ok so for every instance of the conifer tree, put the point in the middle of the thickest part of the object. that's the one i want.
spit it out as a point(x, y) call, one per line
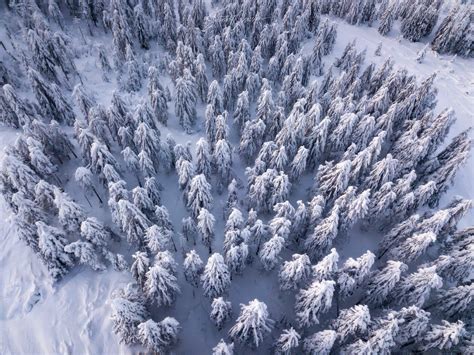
point(161, 286)
point(51, 243)
point(222, 348)
point(320, 342)
point(242, 110)
point(223, 162)
point(221, 312)
point(384, 281)
point(70, 214)
point(352, 321)
point(193, 267)
point(323, 235)
point(294, 272)
point(444, 336)
point(128, 311)
point(203, 158)
point(95, 232)
point(205, 226)
point(216, 276)
point(326, 268)
point(199, 194)
point(382, 338)
point(313, 301)
point(158, 336)
point(412, 247)
point(270, 252)
point(140, 267)
point(456, 300)
point(287, 342)
point(252, 324)
point(185, 104)
point(416, 287)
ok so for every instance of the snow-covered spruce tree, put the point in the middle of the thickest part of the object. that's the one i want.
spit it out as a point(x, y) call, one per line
point(158, 337)
point(444, 336)
point(452, 34)
point(444, 166)
point(454, 301)
point(384, 281)
point(357, 210)
point(15, 111)
point(51, 243)
point(217, 58)
point(203, 158)
point(251, 138)
point(382, 337)
point(412, 247)
point(132, 79)
point(185, 171)
point(416, 288)
point(299, 224)
point(223, 162)
point(44, 195)
point(205, 226)
point(216, 276)
point(236, 257)
point(51, 100)
point(199, 194)
point(314, 301)
point(383, 171)
point(86, 254)
point(242, 110)
point(315, 210)
point(222, 130)
point(140, 267)
point(324, 233)
point(398, 234)
point(358, 347)
point(132, 221)
point(201, 77)
point(128, 311)
point(298, 165)
point(193, 267)
point(294, 272)
point(288, 342)
point(412, 324)
point(320, 342)
point(270, 252)
point(162, 218)
point(352, 321)
point(232, 198)
point(95, 232)
point(333, 180)
point(161, 286)
point(141, 200)
point(158, 238)
point(189, 229)
point(186, 97)
point(252, 324)
point(327, 267)
point(222, 348)
point(70, 214)
point(419, 20)
point(221, 311)
point(26, 209)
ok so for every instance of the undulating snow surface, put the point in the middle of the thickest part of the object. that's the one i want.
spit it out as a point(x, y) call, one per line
point(73, 316)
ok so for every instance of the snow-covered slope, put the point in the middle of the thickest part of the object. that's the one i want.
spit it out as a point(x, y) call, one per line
point(73, 317)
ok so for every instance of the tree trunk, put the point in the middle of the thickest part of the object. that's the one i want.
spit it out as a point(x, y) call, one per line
point(85, 196)
point(95, 191)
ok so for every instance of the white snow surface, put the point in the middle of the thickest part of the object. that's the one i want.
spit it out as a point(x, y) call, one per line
point(73, 317)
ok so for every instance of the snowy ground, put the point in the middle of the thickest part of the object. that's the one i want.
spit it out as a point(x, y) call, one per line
point(74, 316)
